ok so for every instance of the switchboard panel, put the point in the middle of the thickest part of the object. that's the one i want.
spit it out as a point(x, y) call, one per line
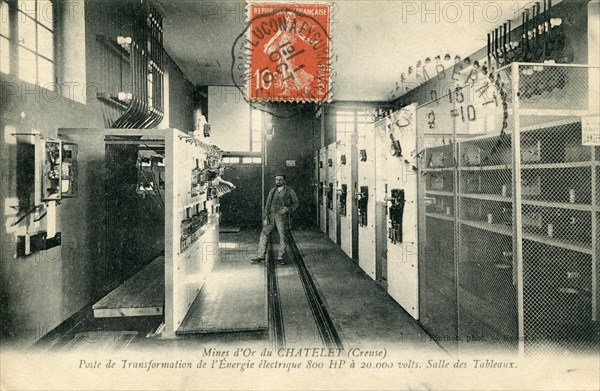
point(344, 196)
point(46, 173)
point(332, 183)
point(401, 222)
point(365, 199)
point(56, 170)
point(323, 186)
point(315, 188)
point(382, 150)
point(170, 181)
point(191, 222)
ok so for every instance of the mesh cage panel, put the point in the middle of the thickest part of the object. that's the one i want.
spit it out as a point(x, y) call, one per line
point(438, 309)
point(547, 87)
point(478, 235)
point(487, 291)
point(557, 291)
point(487, 273)
point(559, 211)
point(437, 267)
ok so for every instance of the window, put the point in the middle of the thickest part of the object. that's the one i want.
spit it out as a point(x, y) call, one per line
point(4, 37)
point(35, 20)
point(251, 160)
point(242, 160)
point(363, 118)
point(256, 128)
point(345, 121)
point(344, 124)
point(231, 160)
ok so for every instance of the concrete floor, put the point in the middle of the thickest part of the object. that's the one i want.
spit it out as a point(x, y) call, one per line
point(364, 314)
point(367, 319)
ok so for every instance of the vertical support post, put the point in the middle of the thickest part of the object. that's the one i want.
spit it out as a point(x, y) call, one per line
point(593, 10)
point(457, 240)
point(353, 188)
point(517, 223)
point(421, 220)
point(595, 250)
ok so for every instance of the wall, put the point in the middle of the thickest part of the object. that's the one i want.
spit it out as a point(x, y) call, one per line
point(40, 291)
point(291, 142)
point(229, 117)
point(181, 98)
point(242, 206)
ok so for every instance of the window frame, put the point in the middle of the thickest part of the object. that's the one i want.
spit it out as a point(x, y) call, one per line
point(344, 118)
point(7, 38)
point(17, 15)
point(256, 133)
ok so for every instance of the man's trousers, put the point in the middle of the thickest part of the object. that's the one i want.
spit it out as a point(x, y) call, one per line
point(281, 221)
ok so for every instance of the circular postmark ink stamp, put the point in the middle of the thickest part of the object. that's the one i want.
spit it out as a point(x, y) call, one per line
point(284, 55)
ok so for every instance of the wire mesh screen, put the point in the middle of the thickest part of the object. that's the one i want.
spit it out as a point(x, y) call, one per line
point(438, 283)
point(487, 270)
point(596, 183)
point(437, 267)
point(478, 235)
point(487, 265)
point(559, 211)
point(469, 273)
point(547, 87)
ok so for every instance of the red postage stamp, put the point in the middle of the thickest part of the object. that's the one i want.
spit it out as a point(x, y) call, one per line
point(290, 52)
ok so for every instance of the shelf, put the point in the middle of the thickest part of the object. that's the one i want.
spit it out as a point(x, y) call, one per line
point(486, 137)
point(140, 295)
point(440, 193)
point(486, 197)
point(508, 231)
point(439, 169)
point(553, 124)
point(557, 165)
point(561, 205)
point(486, 168)
point(524, 112)
point(496, 228)
point(567, 245)
point(440, 216)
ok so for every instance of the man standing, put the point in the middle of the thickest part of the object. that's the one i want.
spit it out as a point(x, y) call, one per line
point(280, 203)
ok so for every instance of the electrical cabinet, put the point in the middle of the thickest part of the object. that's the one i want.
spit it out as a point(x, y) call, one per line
point(331, 189)
point(56, 161)
point(323, 186)
point(401, 191)
point(315, 188)
point(379, 193)
point(364, 196)
point(344, 196)
point(47, 173)
point(160, 196)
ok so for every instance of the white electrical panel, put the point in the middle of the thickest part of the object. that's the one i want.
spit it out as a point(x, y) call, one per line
point(401, 222)
point(331, 193)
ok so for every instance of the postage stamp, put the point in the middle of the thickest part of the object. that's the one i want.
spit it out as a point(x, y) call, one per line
point(287, 53)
